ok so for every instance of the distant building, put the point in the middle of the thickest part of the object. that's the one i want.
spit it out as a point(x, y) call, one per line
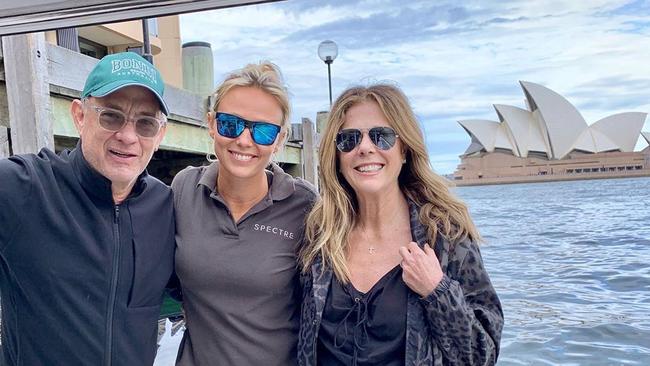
point(551, 141)
point(100, 40)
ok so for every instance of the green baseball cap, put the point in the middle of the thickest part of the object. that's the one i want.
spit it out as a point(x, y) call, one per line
point(114, 72)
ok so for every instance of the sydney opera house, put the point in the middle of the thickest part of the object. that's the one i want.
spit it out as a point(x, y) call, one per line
point(550, 140)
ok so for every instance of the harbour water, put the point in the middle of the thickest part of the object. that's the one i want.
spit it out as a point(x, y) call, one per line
point(571, 264)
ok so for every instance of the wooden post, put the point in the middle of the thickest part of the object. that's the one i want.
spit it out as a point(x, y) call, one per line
point(321, 121)
point(309, 161)
point(4, 142)
point(28, 92)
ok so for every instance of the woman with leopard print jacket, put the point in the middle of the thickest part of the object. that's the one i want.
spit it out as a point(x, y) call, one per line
point(392, 273)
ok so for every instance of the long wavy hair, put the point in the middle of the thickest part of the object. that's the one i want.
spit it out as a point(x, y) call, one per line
point(333, 217)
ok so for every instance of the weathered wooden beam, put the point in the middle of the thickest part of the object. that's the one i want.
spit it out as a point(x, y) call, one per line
point(180, 136)
point(291, 153)
point(184, 106)
point(321, 121)
point(4, 108)
point(31, 16)
point(310, 163)
point(4, 142)
point(296, 132)
point(28, 92)
point(67, 68)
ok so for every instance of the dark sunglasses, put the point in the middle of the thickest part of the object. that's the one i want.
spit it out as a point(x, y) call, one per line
point(383, 137)
point(231, 126)
point(114, 120)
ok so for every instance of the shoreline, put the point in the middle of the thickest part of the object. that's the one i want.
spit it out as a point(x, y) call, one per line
point(549, 178)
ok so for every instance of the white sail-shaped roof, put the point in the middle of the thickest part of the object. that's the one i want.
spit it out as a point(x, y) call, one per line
point(603, 142)
point(504, 139)
point(490, 134)
point(646, 136)
point(554, 127)
point(585, 142)
point(523, 127)
point(562, 121)
point(482, 130)
point(474, 146)
point(594, 141)
point(543, 144)
point(622, 128)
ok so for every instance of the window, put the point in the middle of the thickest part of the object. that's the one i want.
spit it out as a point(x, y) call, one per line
point(153, 26)
point(68, 38)
point(137, 49)
point(92, 49)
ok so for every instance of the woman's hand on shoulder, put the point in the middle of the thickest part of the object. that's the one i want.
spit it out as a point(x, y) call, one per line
point(420, 268)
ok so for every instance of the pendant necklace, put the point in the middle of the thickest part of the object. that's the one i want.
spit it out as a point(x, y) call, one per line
point(371, 247)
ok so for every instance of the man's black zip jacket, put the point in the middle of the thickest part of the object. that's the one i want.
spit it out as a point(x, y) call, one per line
point(81, 279)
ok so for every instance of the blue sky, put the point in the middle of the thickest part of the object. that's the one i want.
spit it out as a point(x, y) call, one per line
point(453, 59)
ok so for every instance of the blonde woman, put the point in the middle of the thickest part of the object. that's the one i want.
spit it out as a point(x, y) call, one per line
point(238, 226)
point(392, 271)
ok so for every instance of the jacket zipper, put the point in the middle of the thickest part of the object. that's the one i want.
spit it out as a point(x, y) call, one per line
point(111, 300)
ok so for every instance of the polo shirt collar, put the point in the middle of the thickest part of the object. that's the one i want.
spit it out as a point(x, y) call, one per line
point(281, 184)
point(209, 176)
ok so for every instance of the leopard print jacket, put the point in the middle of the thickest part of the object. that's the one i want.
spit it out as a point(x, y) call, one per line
point(460, 323)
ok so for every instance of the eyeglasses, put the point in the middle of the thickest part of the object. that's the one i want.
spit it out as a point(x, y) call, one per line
point(231, 126)
point(383, 137)
point(114, 120)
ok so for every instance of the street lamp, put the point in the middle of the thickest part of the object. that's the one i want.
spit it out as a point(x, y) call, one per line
point(146, 44)
point(327, 51)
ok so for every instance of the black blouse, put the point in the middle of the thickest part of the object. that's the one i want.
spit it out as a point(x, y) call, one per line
point(364, 328)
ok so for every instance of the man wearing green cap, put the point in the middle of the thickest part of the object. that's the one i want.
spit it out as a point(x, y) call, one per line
point(87, 236)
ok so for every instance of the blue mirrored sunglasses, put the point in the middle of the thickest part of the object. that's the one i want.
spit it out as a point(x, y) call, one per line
point(231, 126)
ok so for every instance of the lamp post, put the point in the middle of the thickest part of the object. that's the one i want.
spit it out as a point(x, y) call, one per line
point(146, 44)
point(327, 51)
